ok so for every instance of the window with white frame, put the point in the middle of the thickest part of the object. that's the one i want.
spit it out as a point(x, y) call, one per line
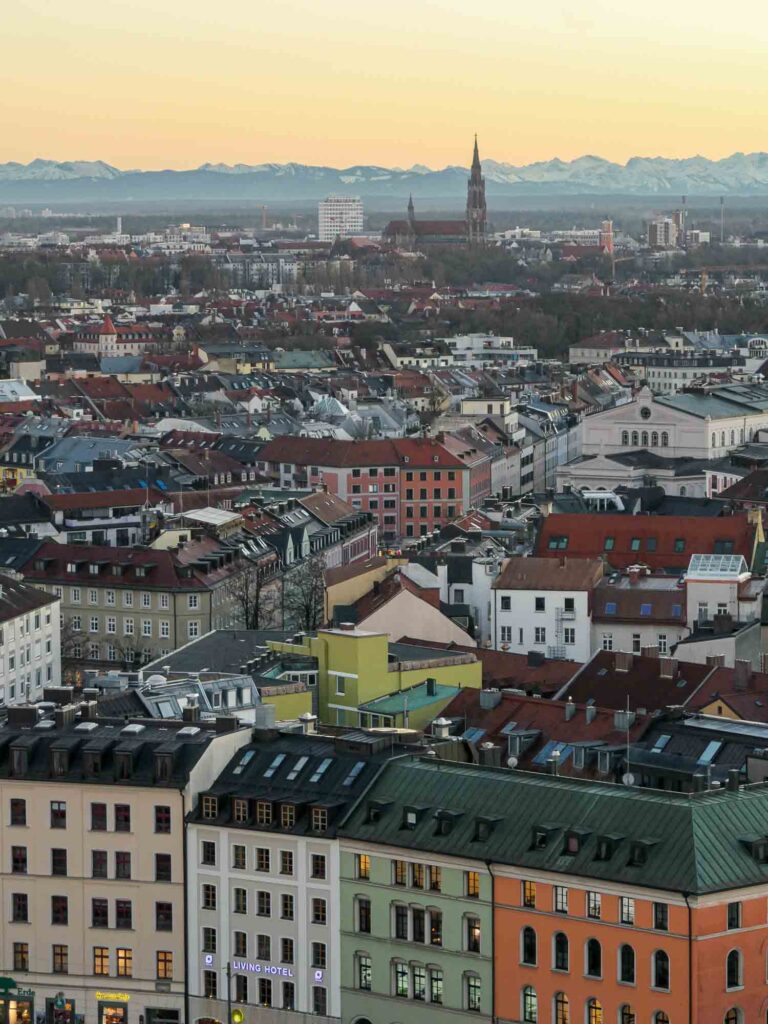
point(506, 634)
point(540, 635)
point(607, 641)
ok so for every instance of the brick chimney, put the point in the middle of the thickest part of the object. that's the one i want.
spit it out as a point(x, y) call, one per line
point(742, 674)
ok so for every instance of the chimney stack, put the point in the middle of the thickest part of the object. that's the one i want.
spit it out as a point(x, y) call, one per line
point(570, 709)
point(742, 674)
point(667, 668)
point(308, 723)
point(650, 652)
point(623, 661)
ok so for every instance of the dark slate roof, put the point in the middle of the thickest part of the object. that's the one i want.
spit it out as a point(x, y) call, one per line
point(303, 770)
point(692, 843)
point(15, 552)
point(185, 742)
point(221, 650)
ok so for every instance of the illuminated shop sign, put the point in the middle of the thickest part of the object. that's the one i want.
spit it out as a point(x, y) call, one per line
point(261, 968)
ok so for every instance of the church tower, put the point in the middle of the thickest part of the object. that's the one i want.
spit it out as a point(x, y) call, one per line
point(411, 211)
point(476, 208)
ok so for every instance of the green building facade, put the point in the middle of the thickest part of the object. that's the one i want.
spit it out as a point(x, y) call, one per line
point(416, 934)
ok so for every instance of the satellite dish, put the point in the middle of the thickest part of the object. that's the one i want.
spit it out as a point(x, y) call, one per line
point(628, 779)
point(512, 762)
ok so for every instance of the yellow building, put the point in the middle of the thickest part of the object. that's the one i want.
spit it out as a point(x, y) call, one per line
point(364, 680)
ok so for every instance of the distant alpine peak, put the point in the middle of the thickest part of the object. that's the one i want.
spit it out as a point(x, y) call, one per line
point(740, 173)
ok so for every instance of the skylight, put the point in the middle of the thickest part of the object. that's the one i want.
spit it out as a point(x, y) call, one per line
point(661, 742)
point(718, 566)
point(321, 769)
point(296, 768)
point(610, 607)
point(276, 762)
point(357, 767)
point(709, 753)
point(247, 756)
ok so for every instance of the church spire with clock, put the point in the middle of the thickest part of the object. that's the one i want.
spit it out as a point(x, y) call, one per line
point(476, 209)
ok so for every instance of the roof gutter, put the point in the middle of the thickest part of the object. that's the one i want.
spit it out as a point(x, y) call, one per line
point(493, 939)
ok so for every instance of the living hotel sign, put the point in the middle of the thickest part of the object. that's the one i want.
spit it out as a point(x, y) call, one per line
point(261, 968)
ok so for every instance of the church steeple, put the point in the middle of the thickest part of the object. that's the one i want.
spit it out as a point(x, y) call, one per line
point(411, 210)
point(476, 208)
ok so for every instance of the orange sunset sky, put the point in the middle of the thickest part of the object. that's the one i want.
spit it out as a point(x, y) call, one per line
point(166, 83)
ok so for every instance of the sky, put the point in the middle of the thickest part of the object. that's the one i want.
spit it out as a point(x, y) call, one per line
point(176, 83)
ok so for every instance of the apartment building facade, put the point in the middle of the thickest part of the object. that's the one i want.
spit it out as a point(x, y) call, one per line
point(30, 642)
point(130, 605)
point(539, 604)
point(412, 485)
point(609, 903)
point(263, 870)
point(92, 861)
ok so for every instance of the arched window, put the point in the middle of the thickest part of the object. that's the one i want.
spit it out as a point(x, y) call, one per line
point(627, 964)
point(733, 1016)
point(594, 959)
point(635, 438)
point(528, 946)
point(561, 952)
point(625, 437)
point(660, 969)
point(733, 438)
point(664, 439)
point(741, 436)
point(594, 1012)
point(733, 970)
point(562, 1009)
point(660, 1017)
point(683, 491)
point(655, 439)
point(645, 439)
point(714, 440)
point(530, 1005)
point(627, 1015)
point(722, 439)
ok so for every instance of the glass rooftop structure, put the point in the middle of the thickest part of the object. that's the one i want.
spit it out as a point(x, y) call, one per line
point(718, 566)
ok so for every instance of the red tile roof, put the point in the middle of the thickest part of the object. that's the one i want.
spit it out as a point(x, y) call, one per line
point(661, 542)
point(501, 669)
point(162, 567)
point(103, 499)
point(325, 451)
point(651, 683)
point(548, 574)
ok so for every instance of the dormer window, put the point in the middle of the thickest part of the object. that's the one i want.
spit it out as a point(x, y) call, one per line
point(59, 762)
point(93, 568)
point(319, 819)
point(638, 855)
point(123, 765)
point(210, 807)
point(540, 839)
point(163, 767)
point(572, 844)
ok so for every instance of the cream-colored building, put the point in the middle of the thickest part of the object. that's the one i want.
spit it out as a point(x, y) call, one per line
point(92, 860)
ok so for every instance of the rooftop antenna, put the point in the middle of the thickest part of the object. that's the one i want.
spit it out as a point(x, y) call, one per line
point(627, 778)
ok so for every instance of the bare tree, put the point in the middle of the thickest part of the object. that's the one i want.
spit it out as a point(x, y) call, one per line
point(256, 595)
point(305, 595)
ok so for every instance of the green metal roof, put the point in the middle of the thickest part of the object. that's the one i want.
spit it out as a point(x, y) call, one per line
point(412, 699)
point(695, 843)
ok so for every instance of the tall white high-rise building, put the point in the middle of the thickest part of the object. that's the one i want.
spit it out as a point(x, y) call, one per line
point(339, 217)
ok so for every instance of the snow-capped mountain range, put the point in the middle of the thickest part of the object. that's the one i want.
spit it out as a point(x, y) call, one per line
point(48, 180)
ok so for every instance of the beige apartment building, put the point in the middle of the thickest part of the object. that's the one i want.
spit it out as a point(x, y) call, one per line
point(126, 606)
point(92, 860)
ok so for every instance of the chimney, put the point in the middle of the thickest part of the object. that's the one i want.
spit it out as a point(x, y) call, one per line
point(716, 660)
point(65, 715)
point(633, 572)
point(191, 713)
point(650, 652)
point(570, 709)
point(734, 780)
point(89, 711)
point(441, 728)
point(667, 668)
point(347, 627)
point(490, 699)
point(699, 782)
point(742, 674)
point(623, 661)
point(591, 713)
point(308, 723)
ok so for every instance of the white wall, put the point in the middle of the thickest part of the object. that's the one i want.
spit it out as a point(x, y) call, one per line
point(517, 627)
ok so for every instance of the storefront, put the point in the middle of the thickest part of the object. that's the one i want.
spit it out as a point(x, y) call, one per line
point(112, 1007)
point(17, 1005)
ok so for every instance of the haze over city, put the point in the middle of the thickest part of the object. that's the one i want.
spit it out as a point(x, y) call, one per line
point(171, 84)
